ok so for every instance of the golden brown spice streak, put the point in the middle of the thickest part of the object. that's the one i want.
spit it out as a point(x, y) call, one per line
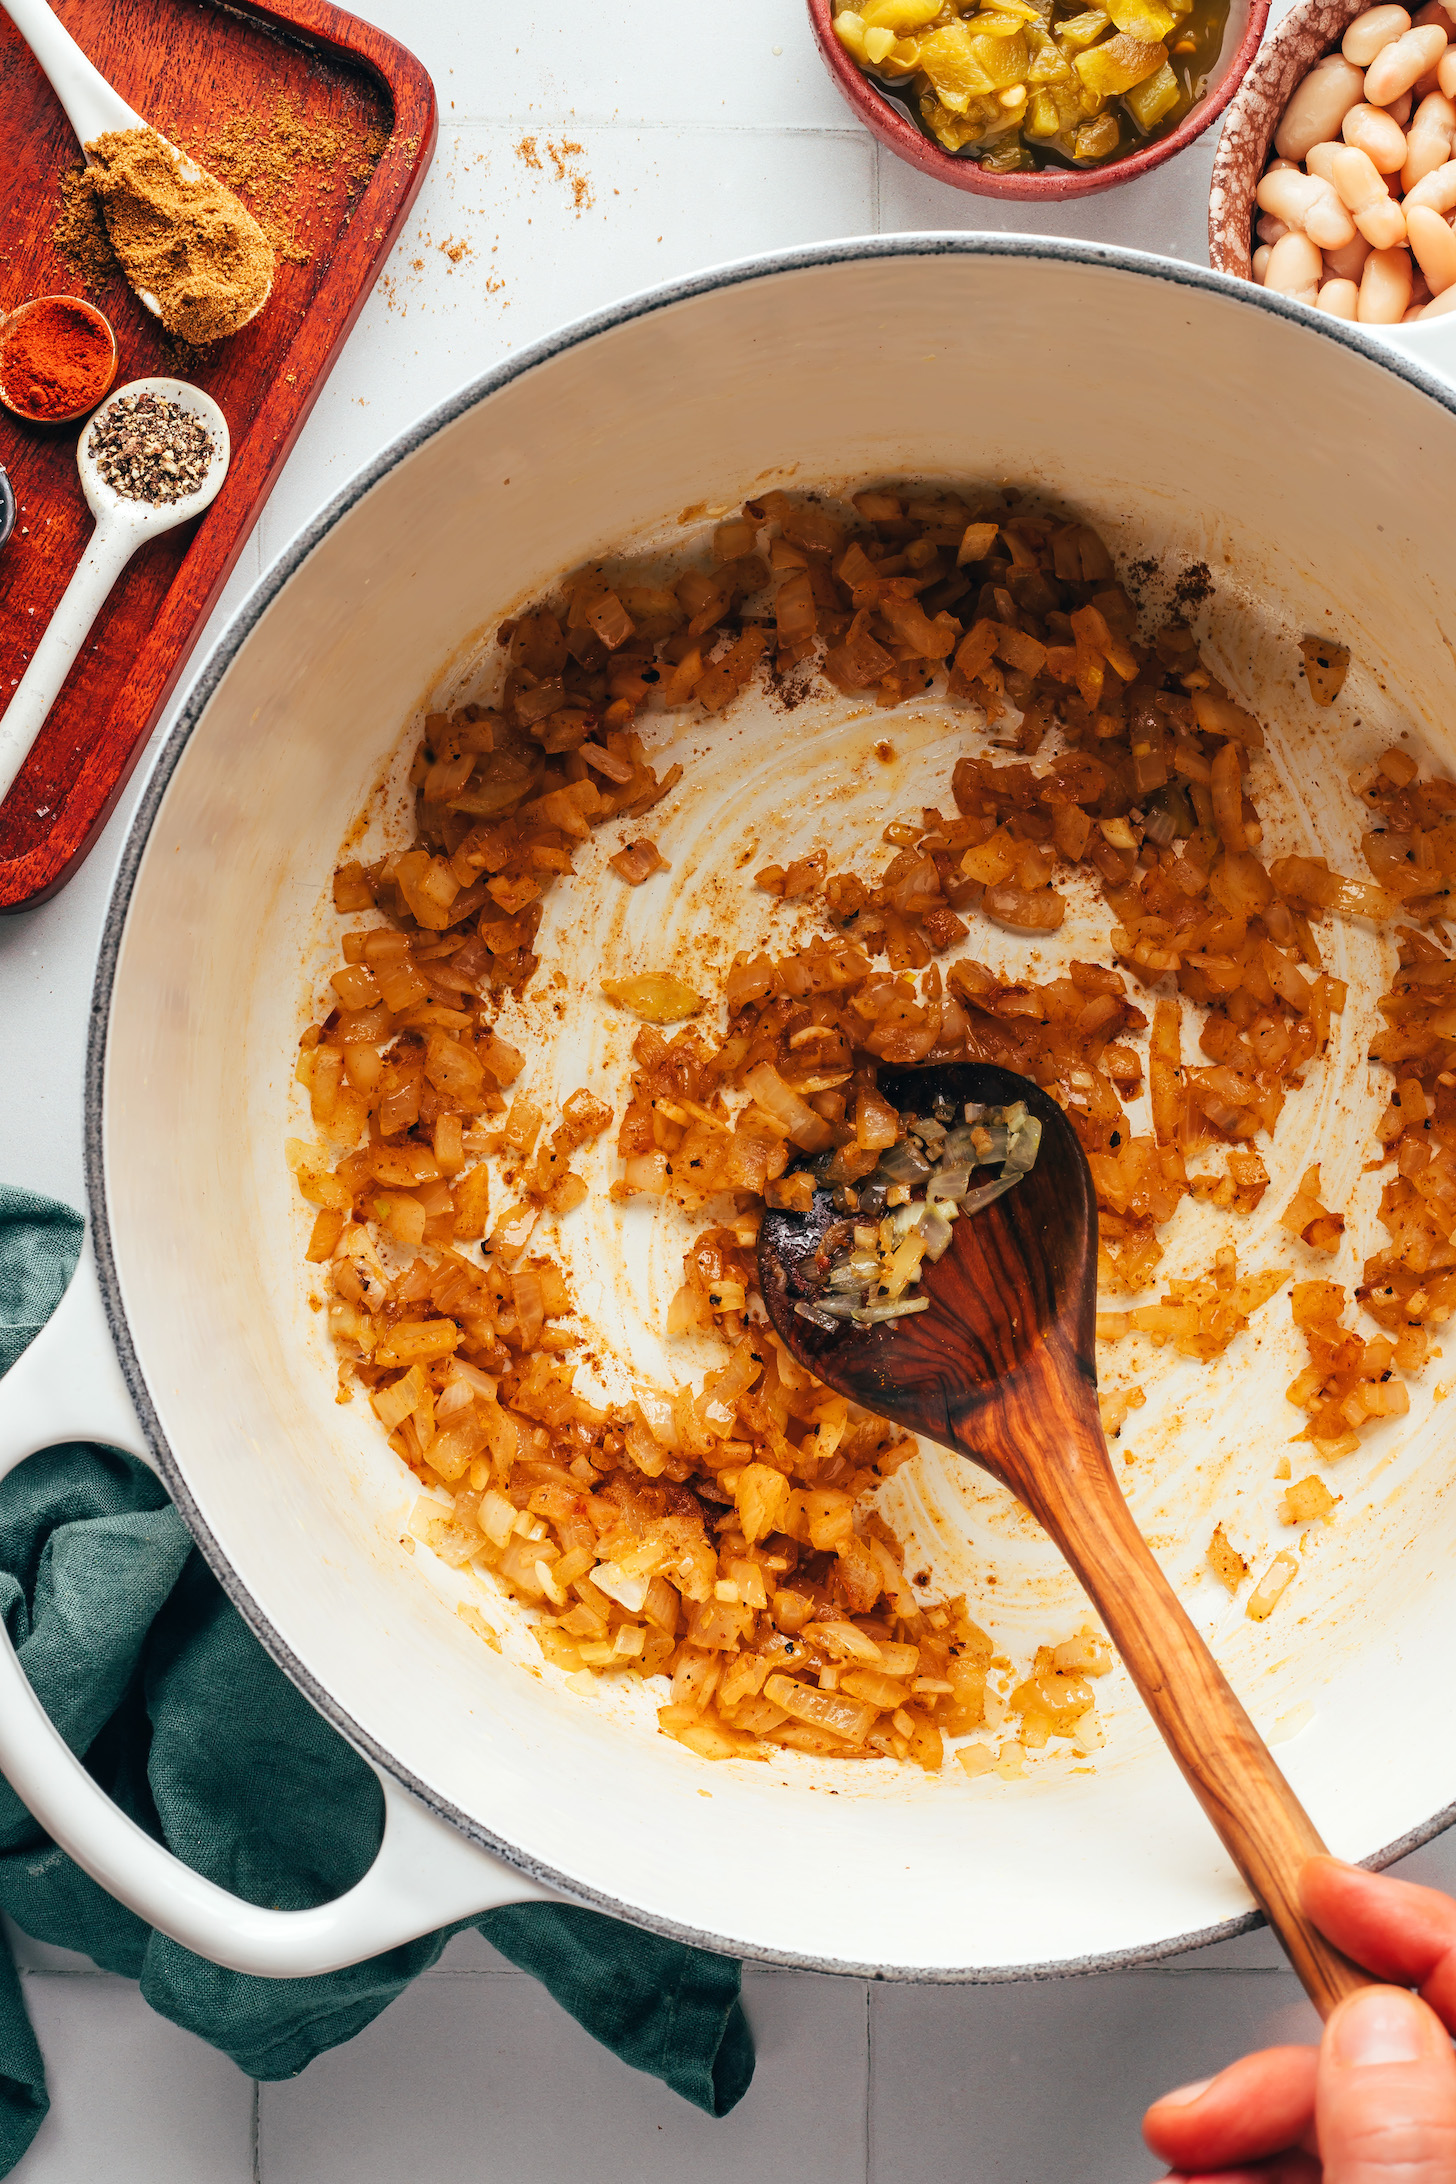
point(725, 1536)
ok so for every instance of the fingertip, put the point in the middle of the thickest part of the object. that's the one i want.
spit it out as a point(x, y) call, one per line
point(1324, 1865)
point(1383, 2025)
point(1182, 2096)
point(1323, 1880)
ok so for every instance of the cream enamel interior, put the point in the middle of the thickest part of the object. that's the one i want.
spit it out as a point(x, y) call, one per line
point(1137, 398)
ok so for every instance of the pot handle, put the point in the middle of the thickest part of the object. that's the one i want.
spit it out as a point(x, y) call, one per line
point(68, 1386)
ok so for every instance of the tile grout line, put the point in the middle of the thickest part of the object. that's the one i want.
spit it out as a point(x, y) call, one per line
point(869, 2053)
point(645, 125)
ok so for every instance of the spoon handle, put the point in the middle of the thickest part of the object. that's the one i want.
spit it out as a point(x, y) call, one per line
point(1224, 1760)
point(92, 107)
point(69, 627)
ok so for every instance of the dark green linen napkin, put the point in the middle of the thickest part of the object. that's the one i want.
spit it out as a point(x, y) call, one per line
point(154, 1679)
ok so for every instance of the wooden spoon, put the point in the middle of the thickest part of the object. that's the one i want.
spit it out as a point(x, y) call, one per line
point(1002, 1369)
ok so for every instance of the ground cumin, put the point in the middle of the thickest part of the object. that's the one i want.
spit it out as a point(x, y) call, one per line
point(265, 156)
point(188, 245)
point(79, 233)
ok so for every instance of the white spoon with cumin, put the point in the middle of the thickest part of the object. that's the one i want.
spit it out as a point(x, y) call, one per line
point(213, 272)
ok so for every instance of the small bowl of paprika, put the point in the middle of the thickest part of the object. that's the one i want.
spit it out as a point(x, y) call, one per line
point(57, 359)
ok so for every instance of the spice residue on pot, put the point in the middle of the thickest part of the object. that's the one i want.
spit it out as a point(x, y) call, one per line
point(57, 358)
point(190, 249)
point(148, 448)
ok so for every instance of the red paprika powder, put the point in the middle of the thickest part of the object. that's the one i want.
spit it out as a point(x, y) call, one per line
point(57, 357)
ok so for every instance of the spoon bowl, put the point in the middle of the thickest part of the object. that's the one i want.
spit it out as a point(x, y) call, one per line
point(1019, 1275)
point(94, 108)
point(1002, 1369)
point(15, 322)
point(138, 519)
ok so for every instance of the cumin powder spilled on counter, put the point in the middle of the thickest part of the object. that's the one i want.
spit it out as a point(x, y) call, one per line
point(185, 243)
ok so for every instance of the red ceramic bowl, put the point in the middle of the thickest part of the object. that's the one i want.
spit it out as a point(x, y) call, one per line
point(894, 127)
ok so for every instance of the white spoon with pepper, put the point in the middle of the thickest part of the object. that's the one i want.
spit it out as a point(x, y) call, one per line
point(153, 456)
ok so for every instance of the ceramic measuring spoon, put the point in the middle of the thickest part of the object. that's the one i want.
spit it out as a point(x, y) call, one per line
point(121, 527)
point(91, 106)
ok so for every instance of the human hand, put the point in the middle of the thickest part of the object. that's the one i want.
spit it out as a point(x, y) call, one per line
point(1375, 2102)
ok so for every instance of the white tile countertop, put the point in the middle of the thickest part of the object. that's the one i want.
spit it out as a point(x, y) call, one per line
point(590, 159)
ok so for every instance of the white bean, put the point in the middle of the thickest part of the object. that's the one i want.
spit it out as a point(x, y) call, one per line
point(1371, 32)
point(1363, 191)
point(1445, 302)
point(1269, 229)
point(1304, 201)
point(1340, 298)
point(1434, 246)
point(1348, 264)
point(1320, 104)
point(1373, 132)
point(1261, 262)
point(1433, 12)
point(1446, 72)
point(1429, 145)
point(1438, 190)
point(1385, 287)
point(1397, 67)
point(1276, 166)
point(1399, 109)
point(1321, 160)
point(1293, 268)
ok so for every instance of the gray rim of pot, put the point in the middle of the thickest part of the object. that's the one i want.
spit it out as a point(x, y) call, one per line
point(7, 508)
point(1317, 326)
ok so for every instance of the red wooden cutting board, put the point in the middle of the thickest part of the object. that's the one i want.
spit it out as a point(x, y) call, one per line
point(191, 68)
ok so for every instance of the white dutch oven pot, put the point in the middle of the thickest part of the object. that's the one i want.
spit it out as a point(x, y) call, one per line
point(1314, 471)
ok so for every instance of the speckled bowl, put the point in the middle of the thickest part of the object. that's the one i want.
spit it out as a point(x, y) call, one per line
point(894, 127)
point(7, 508)
point(1311, 29)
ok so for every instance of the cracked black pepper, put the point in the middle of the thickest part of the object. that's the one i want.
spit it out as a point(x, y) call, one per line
point(149, 448)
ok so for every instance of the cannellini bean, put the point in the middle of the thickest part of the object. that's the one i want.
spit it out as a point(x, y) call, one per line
point(1320, 159)
point(1293, 268)
point(1340, 298)
point(1437, 190)
point(1377, 215)
point(1446, 72)
point(1385, 288)
point(1445, 302)
point(1271, 229)
point(1434, 246)
point(1373, 132)
point(1399, 109)
point(1348, 264)
point(1261, 262)
point(1304, 201)
point(1275, 165)
point(1397, 67)
point(1371, 32)
point(1432, 136)
point(1320, 104)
